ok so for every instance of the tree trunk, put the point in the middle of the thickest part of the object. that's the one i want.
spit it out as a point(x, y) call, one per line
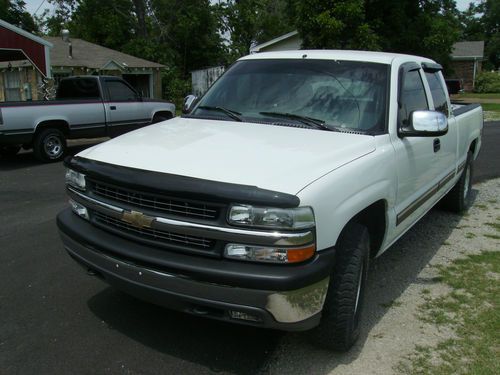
point(140, 11)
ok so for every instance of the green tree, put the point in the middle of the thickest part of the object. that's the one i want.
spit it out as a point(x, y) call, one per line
point(426, 27)
point(335, 24)
point(189, 29)
point(14, 12)
point(491, 16)
point(248, 22)
point(420, 27)
point(481, 21)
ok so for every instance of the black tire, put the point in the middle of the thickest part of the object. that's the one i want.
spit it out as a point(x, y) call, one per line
point(459, 198)
point(9, 151)
point(49, 145)
point(339, 327)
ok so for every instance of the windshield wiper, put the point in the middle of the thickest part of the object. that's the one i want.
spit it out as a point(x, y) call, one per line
point(233, 114)
point(318, 124)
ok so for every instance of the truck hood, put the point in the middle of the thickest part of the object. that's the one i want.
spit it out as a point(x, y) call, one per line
point(271, 157)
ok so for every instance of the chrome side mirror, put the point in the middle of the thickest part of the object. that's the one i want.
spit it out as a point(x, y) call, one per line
point(425, 124)
point(189, 102)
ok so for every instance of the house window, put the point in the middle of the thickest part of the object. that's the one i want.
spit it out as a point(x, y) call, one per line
point(12, 86)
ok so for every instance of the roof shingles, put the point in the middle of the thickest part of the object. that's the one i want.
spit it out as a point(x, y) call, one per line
point(468, 50)
point(93, 56)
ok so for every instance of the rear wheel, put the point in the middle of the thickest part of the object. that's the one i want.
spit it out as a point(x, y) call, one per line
point(339, 327)
point(11, 150)
point(49, 145)
point(459, 198)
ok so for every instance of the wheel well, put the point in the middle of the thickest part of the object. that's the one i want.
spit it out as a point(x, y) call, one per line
point(57, 124)
point(374, 219)
point(473, 146)
point(166, 114)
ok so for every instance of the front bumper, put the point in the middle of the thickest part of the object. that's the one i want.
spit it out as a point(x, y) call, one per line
point(275, 296)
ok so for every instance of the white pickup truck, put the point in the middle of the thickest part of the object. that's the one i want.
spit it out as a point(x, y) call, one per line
point(264, 204)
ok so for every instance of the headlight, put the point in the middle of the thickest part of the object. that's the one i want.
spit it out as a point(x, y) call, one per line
point(269, 254)
point(75, 179)
point(276, 218)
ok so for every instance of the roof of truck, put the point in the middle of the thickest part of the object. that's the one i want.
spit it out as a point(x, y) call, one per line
point(367, 56)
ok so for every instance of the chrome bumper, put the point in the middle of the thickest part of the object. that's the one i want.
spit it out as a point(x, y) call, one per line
point(287, 310)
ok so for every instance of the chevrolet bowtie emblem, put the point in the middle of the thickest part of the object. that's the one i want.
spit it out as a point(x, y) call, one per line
point(137, 219)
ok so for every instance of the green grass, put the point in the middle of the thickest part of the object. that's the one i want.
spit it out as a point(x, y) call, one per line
point(492, 236)
point(390, 304)
point(492, 107)
point(471, 309)
point(477, 95)
point(495, 226)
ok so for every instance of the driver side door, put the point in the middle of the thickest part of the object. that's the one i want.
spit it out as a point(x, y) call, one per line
point(124, 108)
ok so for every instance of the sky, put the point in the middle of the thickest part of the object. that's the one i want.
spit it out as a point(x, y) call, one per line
point(32, 5)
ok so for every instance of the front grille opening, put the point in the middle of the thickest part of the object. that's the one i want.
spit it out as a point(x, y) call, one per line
point(159, 236)
point(161, 204)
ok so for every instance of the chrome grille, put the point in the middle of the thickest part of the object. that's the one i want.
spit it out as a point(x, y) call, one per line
point(161, 204)
point(159, 236)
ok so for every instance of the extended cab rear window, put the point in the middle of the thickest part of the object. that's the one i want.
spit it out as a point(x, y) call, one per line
point(438, 92)
point(78, 88)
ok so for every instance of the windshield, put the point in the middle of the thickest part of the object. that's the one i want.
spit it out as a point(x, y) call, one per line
point(342, 94)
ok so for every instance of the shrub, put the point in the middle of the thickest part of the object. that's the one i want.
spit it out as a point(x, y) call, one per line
point(488, 82)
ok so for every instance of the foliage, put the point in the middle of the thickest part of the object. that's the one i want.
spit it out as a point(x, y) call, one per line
point(427, 27)
point(481, 21)
point(488, 82)
point(14, 12)
point(109, 23)
point(245, 23)
point(334, 24)
point(188, 35)
point(175, 86)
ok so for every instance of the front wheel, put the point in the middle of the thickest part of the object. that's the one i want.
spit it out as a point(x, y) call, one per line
point(160, 118)
point(339, 327)
point(49, 145)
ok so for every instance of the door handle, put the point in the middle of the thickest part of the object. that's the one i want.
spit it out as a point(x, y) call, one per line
point(437, 145)
point(113, 107)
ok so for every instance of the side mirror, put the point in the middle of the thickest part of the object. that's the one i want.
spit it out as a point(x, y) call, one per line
point(425, 124)
point(189, 102)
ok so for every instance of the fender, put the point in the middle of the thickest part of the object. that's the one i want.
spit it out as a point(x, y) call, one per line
point(345, 192)
point(51, 119)
point(161, 107)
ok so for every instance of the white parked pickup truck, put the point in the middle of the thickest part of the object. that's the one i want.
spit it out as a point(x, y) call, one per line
point(265, 203)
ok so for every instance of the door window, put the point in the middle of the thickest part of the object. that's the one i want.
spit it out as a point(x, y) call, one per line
point(119, 91)
point(413, 97)
point(12, 86)
point(438, 92)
